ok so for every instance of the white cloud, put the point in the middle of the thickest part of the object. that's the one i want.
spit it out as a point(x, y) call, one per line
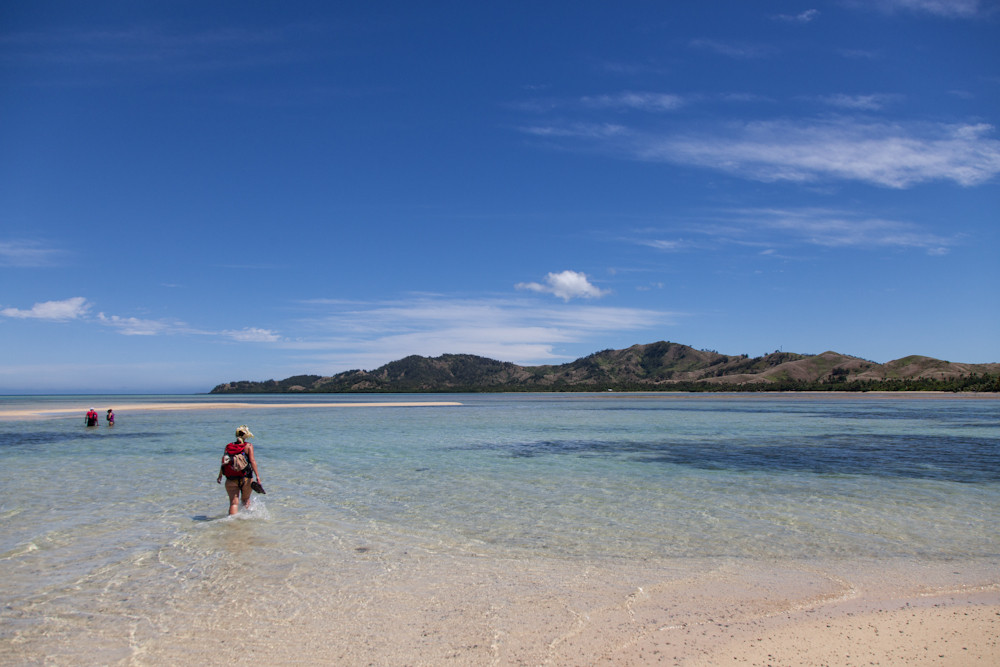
point(68, 309)
point(525, 331)
point(739, 50)
point(873, 102)
point(77, 308)
point(892, 155)
point(809, 150)
point(662, 244)
point(132, 326)
point(566, 285)
point(577, 130)
point(954, 8)
point(807, 16)
point(770, 229)
point(832, 228)
point(635, 101)
point(26, 254)
point(252, 335)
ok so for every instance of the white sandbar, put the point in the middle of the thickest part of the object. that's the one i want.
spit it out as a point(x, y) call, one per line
point(25, 413)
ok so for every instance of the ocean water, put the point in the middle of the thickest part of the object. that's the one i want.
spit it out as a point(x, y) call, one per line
point(109, 536)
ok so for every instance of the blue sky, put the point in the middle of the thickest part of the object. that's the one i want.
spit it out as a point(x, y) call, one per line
point(199, 192)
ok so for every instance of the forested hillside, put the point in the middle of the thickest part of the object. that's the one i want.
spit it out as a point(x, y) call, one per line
point(661, 366)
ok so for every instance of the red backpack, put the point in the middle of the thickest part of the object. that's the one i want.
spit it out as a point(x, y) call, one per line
point(235, 463)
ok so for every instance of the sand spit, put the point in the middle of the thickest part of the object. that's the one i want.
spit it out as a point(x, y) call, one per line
point(28, 413)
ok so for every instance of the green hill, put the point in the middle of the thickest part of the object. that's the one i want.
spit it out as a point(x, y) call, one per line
point(661, 366)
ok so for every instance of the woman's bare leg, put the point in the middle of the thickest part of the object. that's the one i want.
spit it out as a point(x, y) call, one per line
point(247, 494)
point(234, 500)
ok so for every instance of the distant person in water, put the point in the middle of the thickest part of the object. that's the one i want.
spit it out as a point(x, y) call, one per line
point(110, 417)
point(239, 467)
point(92, 417)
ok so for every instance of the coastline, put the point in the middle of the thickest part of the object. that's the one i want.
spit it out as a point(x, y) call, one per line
point(41, 412)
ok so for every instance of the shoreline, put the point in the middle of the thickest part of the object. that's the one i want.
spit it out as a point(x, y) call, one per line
point(37, 412)
point(27, 413)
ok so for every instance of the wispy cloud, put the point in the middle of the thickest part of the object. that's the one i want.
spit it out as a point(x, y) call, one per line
point(641, 101)
point(807, 16)
point(78, 308)
point(68, 309)
point(133, 326)
point(663, 244)
point(738, 50)
point(651, 102)
point(840, 229)
point(252, 335)
point(27, 254)
point(566, 285)
point(871, 102)
point(894, 155)
point(951, 8)
point(771, 228)
point(527, 331)
point(576, 130)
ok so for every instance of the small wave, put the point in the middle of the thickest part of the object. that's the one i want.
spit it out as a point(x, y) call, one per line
point(256, 512)
point(19, 550)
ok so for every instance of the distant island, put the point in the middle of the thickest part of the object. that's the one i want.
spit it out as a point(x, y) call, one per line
point(661, 366)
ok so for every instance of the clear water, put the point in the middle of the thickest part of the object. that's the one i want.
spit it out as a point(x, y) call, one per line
point(102, 524)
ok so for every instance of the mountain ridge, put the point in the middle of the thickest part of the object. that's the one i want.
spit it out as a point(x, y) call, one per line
point(659, 366)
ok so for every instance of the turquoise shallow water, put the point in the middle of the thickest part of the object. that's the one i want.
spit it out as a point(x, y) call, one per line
point(105, 523)
point(638, 475)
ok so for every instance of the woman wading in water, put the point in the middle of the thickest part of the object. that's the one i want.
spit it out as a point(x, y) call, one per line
point(239, 468)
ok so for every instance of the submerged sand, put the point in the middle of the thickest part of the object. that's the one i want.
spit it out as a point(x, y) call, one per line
point(376, 607)
point(481, 611)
